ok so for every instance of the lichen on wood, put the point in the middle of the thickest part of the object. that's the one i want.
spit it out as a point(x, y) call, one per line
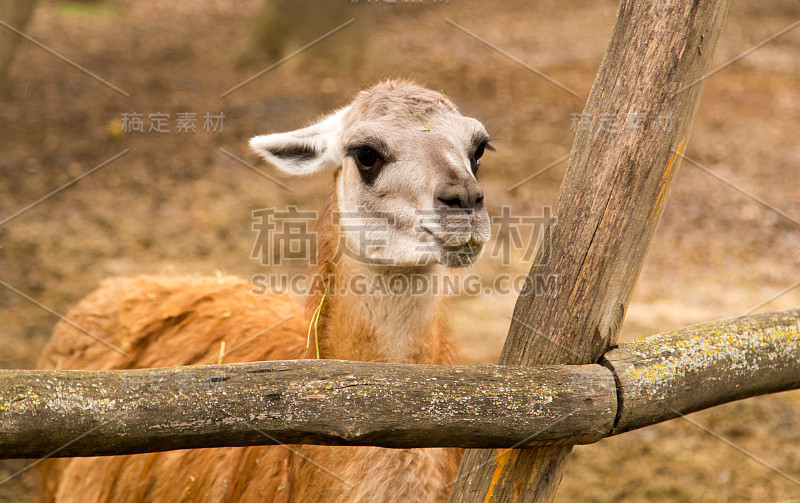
point(711, 363)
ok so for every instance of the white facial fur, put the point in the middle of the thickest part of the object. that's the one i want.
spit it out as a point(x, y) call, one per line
point(421, 203)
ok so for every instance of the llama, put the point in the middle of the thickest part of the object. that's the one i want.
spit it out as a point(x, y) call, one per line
point(399, 152)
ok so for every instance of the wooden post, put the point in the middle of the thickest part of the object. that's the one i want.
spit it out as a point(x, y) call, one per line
point(608, 208)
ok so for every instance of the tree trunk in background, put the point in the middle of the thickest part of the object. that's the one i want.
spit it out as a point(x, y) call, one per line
point(284, 26)
point(15, 13)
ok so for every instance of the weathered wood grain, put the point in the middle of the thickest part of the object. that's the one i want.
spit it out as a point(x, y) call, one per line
point(610, 202)
point(87, 413)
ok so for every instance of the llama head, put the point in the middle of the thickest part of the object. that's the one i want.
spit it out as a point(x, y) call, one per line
point(405, 164)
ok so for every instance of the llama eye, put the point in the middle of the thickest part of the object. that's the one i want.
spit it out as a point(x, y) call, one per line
point(367, 158)
point(479, 151)
point(476, 156)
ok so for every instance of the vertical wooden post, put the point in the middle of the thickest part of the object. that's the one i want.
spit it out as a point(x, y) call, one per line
point(641, 110)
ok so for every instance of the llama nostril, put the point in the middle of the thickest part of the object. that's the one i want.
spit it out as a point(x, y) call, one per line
point(455, 196)
point(453, 202)
point(475, 195)
point(451, 195)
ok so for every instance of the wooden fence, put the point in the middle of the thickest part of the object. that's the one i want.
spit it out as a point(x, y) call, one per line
point(60, 413)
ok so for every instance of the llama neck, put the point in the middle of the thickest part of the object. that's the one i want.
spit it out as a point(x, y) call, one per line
point(369, 322)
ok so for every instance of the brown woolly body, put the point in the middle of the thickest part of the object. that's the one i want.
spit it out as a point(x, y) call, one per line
point(398, 149)
point(166, 321)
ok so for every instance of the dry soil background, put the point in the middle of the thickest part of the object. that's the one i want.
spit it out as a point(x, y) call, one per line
point(176, 204)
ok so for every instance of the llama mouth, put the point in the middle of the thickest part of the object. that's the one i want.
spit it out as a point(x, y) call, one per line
point(452, 243)
point(456, 255)
point(461, 256)
point(471, 247)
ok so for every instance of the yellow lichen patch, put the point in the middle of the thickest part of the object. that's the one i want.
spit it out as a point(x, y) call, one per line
point(728, 347)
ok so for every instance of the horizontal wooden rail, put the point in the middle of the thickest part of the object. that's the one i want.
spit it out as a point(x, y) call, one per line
point(307, 401)
point(705, 365)
point(89, 413)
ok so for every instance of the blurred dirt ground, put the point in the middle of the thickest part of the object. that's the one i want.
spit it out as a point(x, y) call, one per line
point(176, 204)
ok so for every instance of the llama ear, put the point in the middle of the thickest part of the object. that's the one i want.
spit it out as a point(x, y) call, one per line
point(305, 151)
